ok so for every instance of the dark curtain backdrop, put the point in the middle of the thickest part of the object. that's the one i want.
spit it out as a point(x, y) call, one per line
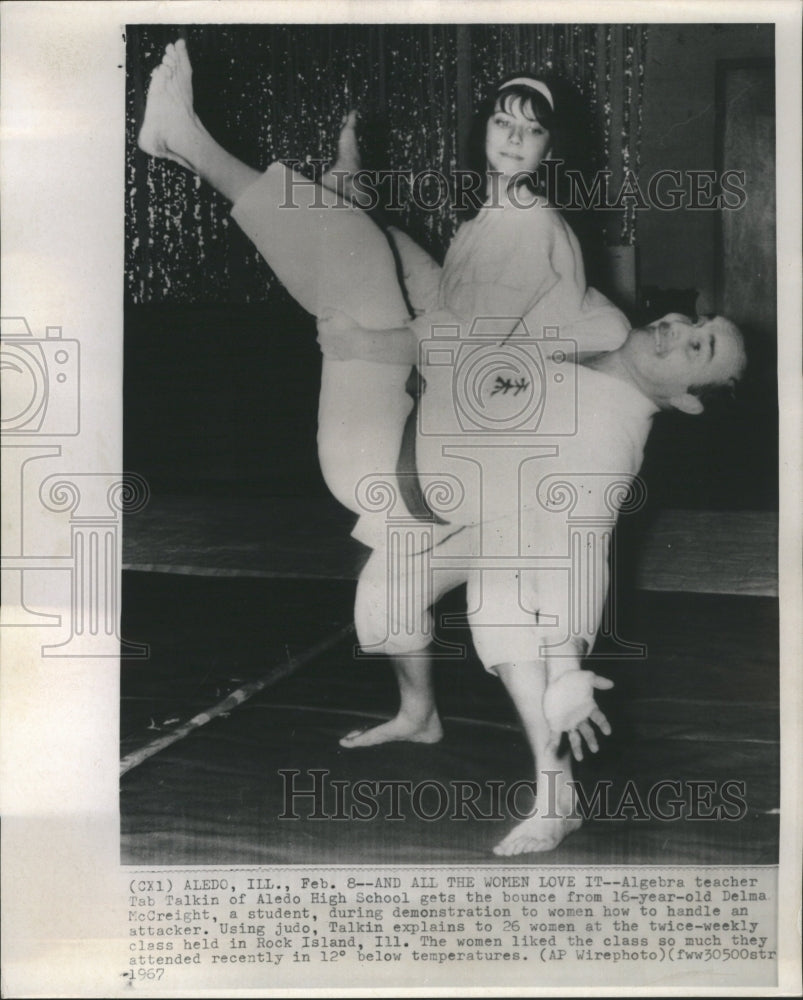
point(280, 91)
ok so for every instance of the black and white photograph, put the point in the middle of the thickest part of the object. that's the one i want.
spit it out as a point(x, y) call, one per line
point(332, 233)
point(401, 487)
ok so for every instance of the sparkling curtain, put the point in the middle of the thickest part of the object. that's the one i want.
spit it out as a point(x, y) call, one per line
point(280, 92)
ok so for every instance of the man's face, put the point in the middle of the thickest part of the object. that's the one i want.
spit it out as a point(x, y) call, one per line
point(676, 352)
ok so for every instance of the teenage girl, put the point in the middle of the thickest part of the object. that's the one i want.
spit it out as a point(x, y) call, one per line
point(516, 259)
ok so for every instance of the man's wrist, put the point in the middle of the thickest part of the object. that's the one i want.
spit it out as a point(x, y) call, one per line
point(557, 668)
point(559, 665)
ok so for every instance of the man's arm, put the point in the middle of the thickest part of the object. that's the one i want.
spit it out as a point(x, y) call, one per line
point(342, 339)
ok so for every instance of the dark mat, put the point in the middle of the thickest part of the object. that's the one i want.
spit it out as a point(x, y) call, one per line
point(702, 707)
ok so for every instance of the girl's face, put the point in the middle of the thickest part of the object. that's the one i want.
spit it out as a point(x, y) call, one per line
point(515, 141)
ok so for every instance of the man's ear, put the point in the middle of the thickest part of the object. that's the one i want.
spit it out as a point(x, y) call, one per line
point(687, 403)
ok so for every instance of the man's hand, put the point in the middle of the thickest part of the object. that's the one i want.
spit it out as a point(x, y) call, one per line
point(343, 339)
point(569, 707)
point(339, 336)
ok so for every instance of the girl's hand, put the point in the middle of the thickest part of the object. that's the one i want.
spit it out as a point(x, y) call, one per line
point(339, 336)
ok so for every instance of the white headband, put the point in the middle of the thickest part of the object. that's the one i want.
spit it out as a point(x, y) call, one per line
point(528, 81)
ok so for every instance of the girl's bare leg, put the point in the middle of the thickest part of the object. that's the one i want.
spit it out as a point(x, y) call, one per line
point(172, 129)
point(554, 816)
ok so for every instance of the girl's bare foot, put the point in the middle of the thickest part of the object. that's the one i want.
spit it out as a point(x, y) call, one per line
point(402, 728)
point(338, 176)
point(170, 125)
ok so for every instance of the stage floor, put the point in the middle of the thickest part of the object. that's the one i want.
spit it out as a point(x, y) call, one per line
point(701, 707)
point(255, 535)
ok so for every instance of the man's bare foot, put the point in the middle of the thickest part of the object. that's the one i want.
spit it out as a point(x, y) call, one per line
point(170, 124)
point(538, 833)
point(399, 729)
point(554, 817)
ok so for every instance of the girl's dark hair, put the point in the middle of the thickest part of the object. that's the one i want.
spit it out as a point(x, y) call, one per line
point(533, 105)
point(576, 143)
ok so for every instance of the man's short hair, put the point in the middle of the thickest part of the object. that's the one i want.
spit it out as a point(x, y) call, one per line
point(721, 394)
